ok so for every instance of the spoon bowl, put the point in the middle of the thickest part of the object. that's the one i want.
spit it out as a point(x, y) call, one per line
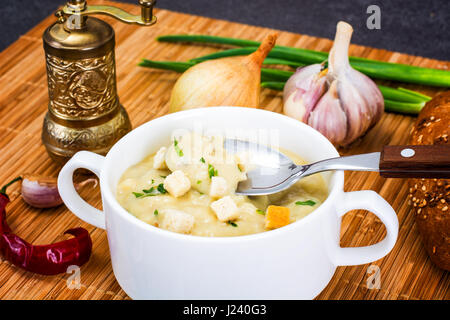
point(272, 171)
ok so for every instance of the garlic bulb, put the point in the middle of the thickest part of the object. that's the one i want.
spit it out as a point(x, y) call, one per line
point(233, 81)
point(340, 102)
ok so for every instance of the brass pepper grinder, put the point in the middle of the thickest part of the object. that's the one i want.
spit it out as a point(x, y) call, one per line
point(84, 112)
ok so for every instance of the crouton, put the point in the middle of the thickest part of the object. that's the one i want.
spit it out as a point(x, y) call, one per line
point(159, 159)
point(225, 209)
point(177, 221)
point(219, 187)
point(277, 217)
point(177, 184)
point(243, 160)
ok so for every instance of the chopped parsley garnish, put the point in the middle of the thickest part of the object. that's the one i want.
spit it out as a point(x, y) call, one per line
point(153, 181)
point(155, 212)
point(211, 171)
point(161, 189)
point(305, 203)
point(151, 192)
point(231, 223)
point(137, 194)
point(163, 177)
point(199, 181)
point(202, 160)
point(148, 190)
point(177, 148)
point(260, 212)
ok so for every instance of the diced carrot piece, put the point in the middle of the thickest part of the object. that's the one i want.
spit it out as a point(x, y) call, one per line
point(277, 217)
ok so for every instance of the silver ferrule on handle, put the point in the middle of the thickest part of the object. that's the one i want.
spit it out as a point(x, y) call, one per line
point(361, 162)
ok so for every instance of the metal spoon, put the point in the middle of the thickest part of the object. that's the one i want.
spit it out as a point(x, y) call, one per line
point(273, 171)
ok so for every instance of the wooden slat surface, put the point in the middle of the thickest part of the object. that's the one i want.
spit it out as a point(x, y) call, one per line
point(406, 273)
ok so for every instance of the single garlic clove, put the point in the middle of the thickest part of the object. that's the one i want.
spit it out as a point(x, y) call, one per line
point(302, 91)
point(300, 75)
point(40, 192)
point(312, 96)
point(356, 109)
point(294, 109)
point(328, 117)
point(370, 91)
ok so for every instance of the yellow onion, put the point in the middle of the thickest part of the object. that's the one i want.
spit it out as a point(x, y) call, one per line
point(233, 81)
point(340, 102)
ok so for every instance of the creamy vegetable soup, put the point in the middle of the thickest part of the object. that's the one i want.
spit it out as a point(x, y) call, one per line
point(189, 187)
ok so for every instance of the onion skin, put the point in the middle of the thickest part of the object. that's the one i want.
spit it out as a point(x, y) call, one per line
point(233, 81)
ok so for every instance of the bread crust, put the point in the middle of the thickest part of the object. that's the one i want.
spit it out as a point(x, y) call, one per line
point(430, 198)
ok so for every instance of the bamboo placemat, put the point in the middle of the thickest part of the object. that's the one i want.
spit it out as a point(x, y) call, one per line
point(406, 273)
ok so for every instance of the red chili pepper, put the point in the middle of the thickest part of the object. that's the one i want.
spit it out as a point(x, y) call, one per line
point(43, 259)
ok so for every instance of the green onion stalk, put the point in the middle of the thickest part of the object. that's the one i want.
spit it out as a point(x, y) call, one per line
point(398, 100)
point(372, 68)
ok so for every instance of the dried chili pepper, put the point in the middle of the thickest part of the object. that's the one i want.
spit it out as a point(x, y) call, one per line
point(43, 259)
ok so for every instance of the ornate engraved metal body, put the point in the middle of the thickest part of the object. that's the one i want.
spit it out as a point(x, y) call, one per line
point(81, 89)
point(84, 112)
point(84, 109)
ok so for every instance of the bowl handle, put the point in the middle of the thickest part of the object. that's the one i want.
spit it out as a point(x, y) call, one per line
point(373, 202)
point(73, 201)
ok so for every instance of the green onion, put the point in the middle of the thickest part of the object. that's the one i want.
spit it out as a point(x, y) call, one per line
point(396, 100)
point(202, 160)
point(224, 54)
point(415, 93)
point(207, 39)
point(138, 194)
point(155, 212)
point(305, 203)
point(166, 65)
point(275, 56)
point(404, 95)
point(372, 68)
point(260, 212)
point(151, 192)
point(269, 61)
point(274, 85)
point(307, 56)
point(199, 181)
point(177, 148)
point(275, 74)
point(403, 107)
point(161, 188)
point(211, 171)
point(232, 223)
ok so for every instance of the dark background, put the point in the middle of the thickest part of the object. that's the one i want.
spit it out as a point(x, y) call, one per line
point(414, 27)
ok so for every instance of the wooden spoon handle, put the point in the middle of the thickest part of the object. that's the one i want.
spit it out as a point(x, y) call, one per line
point(418, 161)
